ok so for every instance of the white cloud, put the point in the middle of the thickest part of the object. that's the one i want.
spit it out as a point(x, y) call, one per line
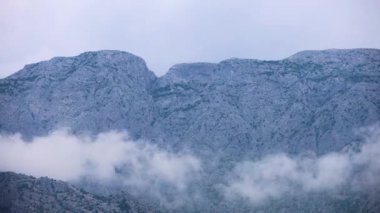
point(110, 156)
point(147, 170)
point(276, 176)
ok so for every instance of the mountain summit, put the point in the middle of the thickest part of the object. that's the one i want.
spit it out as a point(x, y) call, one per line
point(94, 92)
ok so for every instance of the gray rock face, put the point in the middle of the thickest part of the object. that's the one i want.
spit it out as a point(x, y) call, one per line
point(26, 194)
point(21, 193)
point(312, 100)
point(224, 112)
point(94, 92)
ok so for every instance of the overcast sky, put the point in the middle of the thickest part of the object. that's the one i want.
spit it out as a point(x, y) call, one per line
point(166, 32)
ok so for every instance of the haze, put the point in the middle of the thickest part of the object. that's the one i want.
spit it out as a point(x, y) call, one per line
point(166, 32)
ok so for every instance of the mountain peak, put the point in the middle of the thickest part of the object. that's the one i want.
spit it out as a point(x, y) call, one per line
point(69, 88)
point(103, 61)
point(337, 55)
point(114, 55)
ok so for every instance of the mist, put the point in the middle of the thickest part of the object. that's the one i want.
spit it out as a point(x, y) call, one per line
point(107, 158)
point(280, 175)
point(176, 179)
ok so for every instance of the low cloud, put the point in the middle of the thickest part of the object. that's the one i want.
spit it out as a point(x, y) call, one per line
point(280, 175)
point(108, 158)
point(178, 179)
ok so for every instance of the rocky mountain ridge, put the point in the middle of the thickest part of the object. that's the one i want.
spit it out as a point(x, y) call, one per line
point(224, 112)
point(21, 193)
point(311, 100)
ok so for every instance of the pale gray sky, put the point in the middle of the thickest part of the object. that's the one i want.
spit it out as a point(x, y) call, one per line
point(166, 32)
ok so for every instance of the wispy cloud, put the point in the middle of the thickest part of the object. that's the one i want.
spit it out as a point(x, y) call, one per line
point(176, 179)
point(110, 157)
point(276, 176)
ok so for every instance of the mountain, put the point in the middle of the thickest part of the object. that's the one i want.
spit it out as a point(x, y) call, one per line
point(21, 193)
point(226, 112)
point(93, 92)
point(309, 101)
